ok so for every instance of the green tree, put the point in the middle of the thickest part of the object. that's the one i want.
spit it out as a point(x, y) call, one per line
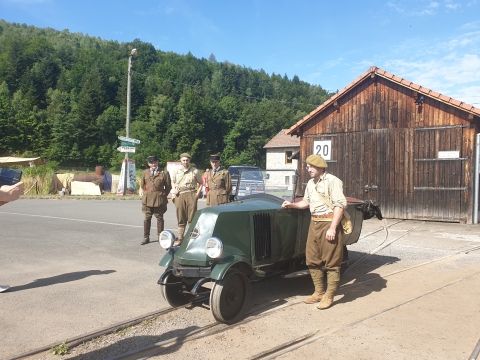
point(7, 126)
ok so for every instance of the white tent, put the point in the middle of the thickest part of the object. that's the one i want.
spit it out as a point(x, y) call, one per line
point(11, 160)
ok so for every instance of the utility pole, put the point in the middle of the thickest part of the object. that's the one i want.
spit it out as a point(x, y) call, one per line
point(127, 125)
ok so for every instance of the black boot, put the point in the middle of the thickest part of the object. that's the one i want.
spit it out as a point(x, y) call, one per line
point(146, 231)
point(160, 226)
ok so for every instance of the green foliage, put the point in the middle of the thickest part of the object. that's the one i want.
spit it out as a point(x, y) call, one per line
point(60, 349)
point(63, 97)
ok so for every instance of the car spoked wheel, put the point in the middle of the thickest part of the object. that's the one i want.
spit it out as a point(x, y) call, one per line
point(175, 291)
point(229, 297)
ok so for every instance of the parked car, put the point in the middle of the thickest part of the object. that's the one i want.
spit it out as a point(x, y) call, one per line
point(228, 246)
point(247, 179)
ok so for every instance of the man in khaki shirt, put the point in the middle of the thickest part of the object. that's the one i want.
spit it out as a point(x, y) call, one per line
point(186, 193)
point(324, 251)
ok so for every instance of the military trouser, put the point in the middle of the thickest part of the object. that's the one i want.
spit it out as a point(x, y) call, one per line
point(149, 212)
point(324, 257)
point(186, 204)
point(321, 253)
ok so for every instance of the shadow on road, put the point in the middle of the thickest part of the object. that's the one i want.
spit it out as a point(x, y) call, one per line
point(271, 293)
point(126, 348)
point(358, 280)
point(58, 279)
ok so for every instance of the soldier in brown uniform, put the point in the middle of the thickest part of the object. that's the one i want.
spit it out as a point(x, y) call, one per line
point(156, 185)
point(186, 193)
point(219, 183)
point(324, 251)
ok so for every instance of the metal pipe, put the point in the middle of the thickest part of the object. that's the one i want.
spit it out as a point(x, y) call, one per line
point(476, 194)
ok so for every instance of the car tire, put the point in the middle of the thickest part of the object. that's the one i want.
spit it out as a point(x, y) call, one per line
point(174, 291)
point(229, 297)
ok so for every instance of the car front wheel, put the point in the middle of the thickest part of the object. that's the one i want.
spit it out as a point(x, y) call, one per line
point(229, 297)
point(175, 292)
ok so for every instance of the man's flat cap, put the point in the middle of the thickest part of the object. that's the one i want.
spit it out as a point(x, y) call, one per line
point(152, 159)
point(316, 160)
point(187, 155)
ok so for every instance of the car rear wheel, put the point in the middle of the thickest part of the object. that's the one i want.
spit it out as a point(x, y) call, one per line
point(175, 291)
point(229, 297)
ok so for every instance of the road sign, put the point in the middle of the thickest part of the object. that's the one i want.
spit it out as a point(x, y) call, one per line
point(130, 140)
point(126, 149)
point(127, 143)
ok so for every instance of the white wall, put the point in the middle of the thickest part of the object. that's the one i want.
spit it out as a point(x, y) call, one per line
point(277, 169)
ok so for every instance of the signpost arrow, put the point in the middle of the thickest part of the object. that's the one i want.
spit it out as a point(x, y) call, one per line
point(127, 143)
point(130, 140)
point(126, 149)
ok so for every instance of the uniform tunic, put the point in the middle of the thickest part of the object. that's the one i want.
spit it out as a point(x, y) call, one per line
point(156, 187)
point(219, 184)
point(319, 251)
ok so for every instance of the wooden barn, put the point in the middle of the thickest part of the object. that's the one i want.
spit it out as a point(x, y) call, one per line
point(406, 147)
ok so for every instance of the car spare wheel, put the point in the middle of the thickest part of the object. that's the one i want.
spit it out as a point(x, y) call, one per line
point(229, 297)
point(175, 291)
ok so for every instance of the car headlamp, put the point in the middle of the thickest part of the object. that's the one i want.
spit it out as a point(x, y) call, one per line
point(214, 247)
point(166, 239)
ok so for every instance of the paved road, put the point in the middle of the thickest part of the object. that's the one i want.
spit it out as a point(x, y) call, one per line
point(74, 266)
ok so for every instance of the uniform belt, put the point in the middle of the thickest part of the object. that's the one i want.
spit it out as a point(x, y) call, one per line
point(322, 217)
point(185, 191)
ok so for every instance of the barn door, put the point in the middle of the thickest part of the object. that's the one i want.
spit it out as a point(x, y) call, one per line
point(387, 172)
point(438, 173)
point(375, 160)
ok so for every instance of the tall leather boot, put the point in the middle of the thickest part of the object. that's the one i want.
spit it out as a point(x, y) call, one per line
point(181, 232)
point(160, 225)
point(146, 231)
point(333, 279)
point(318, 276)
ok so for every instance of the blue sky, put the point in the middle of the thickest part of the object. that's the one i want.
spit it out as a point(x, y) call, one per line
point(329, 43)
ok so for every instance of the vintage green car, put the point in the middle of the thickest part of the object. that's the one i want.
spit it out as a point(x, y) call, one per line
point(228, 246)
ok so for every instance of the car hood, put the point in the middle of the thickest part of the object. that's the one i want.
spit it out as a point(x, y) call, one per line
point(204, 226)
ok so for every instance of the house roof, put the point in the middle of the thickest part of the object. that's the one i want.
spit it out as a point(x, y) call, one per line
point(283, 140)
point(375, 71)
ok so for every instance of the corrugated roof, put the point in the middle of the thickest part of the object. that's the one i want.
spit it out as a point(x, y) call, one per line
point(375, 71)
point(283, 140)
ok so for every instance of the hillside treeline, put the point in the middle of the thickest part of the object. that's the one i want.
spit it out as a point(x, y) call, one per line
point(63, 97)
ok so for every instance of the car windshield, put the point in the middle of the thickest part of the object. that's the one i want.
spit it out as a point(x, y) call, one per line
point(252, 181)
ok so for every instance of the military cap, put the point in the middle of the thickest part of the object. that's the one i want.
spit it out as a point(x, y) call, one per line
point(215, 157)
point(316, 160)
point(187, 155)
point(152, 159)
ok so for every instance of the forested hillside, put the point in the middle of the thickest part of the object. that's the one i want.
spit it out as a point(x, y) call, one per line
point(63, 97)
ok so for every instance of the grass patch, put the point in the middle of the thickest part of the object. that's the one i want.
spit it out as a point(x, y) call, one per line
point(60, 349)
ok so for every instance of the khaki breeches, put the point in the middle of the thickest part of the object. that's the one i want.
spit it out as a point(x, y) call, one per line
point(321, 253)
point(186, 204)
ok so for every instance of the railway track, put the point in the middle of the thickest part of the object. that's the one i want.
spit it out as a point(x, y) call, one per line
point(257, 312)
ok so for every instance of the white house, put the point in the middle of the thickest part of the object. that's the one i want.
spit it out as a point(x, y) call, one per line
point(281, 165)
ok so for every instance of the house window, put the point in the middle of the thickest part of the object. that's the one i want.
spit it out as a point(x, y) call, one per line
point(288, 157)
point(287, 180)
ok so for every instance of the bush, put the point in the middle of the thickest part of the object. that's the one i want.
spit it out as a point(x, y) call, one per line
point(38, 179)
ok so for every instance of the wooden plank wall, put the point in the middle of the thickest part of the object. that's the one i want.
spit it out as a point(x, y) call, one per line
point(385, 148)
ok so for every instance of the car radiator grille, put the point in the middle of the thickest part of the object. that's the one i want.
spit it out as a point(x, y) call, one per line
point(263, 236)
